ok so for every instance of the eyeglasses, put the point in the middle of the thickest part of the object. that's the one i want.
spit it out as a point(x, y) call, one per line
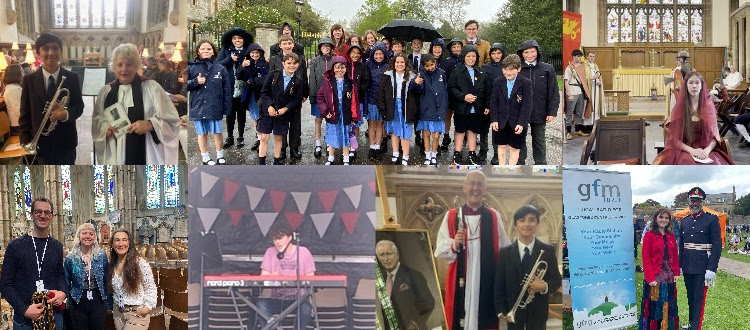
point(43, 213)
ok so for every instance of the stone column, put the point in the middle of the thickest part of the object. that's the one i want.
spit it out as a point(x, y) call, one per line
point(266, 35)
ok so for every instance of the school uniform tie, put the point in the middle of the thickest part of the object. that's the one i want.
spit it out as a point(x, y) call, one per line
point(51, 88)
point(526, 259)
point(416, 62)
point(389, 284)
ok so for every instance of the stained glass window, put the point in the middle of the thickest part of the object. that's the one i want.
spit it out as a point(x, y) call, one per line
point(67, 196)
point(164, 195)
point(655, 21)
point(83, 14)
point(22, 190)
point(171, 186)
point(104, 189)
point(153, 194)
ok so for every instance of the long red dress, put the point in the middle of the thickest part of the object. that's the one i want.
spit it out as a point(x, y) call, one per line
point(706, 129)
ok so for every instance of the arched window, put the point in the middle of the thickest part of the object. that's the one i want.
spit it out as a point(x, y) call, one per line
point(67, 188)
point(162, 186)
point(104, 189)
point(22, 189)
point(89, 14)
point(655, 21)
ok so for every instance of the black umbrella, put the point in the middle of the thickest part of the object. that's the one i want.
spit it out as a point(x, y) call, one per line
point(408, 29)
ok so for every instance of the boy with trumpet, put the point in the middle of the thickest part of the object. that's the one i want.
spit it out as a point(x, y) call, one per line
point(59, 146)
point(531, 263)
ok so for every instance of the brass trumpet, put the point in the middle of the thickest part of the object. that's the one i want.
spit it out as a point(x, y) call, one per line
point(539, 269)
point(47, 321)
point(31, 147)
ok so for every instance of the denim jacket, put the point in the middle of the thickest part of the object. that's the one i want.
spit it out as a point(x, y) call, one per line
point(75, 273)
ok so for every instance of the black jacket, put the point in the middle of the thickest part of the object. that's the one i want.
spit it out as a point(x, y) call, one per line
point(359, 72)
point(544, 85)
point(509, 275)
point(515, 110)
point(275, 64)
point(459, 84)
point(387, 97)
point(274, 94)
point(298, 48)
point(227, 49)
point(33, 98)
point(412, 300)
point(253, 75)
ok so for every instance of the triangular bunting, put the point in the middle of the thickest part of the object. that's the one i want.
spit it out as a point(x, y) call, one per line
point(327, 198)
point(371, 215)
point(322, 221)
point(236, 215)
point(254, 194)
point(208, 217)
point(294, 219)
point(230, 189)
point(350, 220)
point(354, 193)
point(372, 185)
point(277, 199)
point(301, 199)
point(207, 182)
point(265, 220)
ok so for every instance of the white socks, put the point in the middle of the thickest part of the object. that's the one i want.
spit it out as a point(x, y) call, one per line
point(317, 143)
point(374, 146)
point(220, 153)
point(205, 156)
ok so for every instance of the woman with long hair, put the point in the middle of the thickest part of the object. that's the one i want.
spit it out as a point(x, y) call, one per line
point(692, 131)
point(131, 283)
point(85, 268)
point(661, 269)
point(339, 41)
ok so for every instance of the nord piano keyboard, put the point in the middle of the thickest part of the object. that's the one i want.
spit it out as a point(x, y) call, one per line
point(274, 281)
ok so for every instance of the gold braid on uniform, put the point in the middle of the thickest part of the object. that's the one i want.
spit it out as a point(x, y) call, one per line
point(47, 321)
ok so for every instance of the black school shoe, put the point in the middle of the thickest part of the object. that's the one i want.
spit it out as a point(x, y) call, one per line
point(473, 159)
point(277, 161)
point(457, 158)
point(240, 142)
point(255, 146)
point(296, 154)
point(228, 142)
point(283, 154)
point(446, 142)
point(318, 151)
point(495, 160)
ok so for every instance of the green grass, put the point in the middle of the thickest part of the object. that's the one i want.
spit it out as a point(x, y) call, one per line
point(726, 304)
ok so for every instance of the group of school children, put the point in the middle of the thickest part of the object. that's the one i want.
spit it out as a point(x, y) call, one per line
point(351, 81)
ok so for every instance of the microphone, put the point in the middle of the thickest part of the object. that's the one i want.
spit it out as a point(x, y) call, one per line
point(295, 237)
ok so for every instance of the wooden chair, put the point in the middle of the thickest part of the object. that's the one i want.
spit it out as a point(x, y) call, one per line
point(15, 155)
point(724, 117)
point(588, 145)
point(175, 323)
point(177, 284)
point(157, 322)
point(620, 142)
point(176, 301)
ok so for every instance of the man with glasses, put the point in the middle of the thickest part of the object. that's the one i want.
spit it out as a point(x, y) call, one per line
point(469, 240)
point(34, 263)
point(700, 250)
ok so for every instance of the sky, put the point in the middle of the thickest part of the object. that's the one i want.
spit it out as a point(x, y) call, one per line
point(663, 183)
point(480, 10)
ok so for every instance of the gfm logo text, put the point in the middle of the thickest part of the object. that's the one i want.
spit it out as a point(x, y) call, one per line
point(607, 193)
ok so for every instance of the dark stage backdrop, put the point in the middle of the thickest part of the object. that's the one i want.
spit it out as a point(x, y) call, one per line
point(234, 209)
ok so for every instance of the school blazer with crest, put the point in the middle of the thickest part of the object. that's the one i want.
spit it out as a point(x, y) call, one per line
point(274, 93)
point(459, 85)
point(515, 110)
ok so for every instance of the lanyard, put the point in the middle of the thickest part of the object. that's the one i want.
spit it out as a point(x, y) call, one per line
point(36, 255)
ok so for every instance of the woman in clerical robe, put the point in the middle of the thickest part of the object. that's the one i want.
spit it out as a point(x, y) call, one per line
point(692, 131)
point(151, 138)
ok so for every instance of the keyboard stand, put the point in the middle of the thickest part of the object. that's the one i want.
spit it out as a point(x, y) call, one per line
point(273, 322)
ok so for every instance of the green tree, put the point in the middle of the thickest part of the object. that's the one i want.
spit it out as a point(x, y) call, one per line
point(681, 200)
point(520, 20)
point(742, 205)
point(373, 14)
point(649, 207)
